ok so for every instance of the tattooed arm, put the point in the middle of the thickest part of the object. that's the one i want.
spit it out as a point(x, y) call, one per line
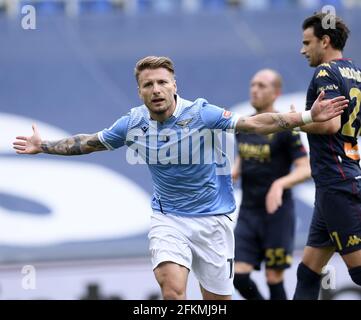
point(75, 145)
point(265, 123)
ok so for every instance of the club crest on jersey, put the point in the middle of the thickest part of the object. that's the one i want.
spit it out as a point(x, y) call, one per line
point(144, 128)
point(226, 114)
point(184, 123)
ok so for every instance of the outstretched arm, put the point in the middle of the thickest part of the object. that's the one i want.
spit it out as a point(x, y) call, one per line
point(328, 127)
point(265, 123)
point(75, 145)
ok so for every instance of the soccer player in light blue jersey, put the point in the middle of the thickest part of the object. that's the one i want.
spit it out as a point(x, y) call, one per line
point(179, 141)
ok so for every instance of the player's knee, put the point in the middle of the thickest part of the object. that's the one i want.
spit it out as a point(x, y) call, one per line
point(274, 276)
point(171, 292)
point(355, 274)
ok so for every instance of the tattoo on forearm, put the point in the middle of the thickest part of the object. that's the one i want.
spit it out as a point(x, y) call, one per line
point(281, 121)
point(75, 145)
point(68, 146)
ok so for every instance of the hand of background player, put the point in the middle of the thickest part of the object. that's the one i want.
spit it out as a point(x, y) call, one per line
point(28, 145)
point(274, 197)
point(235, 174)
point(323, 110)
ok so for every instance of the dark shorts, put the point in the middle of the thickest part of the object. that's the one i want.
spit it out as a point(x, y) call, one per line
point(265, 237)
point(336, 220)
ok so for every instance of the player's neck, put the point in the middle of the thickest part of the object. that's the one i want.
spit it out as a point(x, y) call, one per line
point(332, 55)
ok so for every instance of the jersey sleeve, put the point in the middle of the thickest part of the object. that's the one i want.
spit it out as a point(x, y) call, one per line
point(115, 136)
point(325, 79)
point(218, 118)
point(295, 145)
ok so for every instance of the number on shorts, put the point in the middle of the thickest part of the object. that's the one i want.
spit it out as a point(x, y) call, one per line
point(275, 257)
point(335, 237)
point(230, 267)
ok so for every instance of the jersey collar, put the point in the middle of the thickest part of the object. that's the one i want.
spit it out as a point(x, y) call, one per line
point(178, 107)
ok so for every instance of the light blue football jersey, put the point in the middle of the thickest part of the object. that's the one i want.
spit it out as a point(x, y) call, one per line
point(185, 155)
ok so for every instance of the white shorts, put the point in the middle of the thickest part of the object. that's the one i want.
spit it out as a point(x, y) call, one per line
point(204, 245)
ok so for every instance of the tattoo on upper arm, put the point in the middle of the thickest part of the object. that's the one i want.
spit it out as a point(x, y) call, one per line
point(281, 121)
point(75, 145)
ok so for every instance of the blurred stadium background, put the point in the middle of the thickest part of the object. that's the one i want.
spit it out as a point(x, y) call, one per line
point(82, 222)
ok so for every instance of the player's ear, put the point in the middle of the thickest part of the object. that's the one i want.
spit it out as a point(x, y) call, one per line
point(175, 86)
point(139, 94)
point(326, 40)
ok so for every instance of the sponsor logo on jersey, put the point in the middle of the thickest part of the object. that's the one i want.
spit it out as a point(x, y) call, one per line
point(322, 73)
point(353, 241)
point(327, 88)
point(260, 152)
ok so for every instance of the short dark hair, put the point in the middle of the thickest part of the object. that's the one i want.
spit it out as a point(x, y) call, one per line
point(338, 35)
point(153, 62)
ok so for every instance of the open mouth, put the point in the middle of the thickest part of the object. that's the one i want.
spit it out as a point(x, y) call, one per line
point(157, 100)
